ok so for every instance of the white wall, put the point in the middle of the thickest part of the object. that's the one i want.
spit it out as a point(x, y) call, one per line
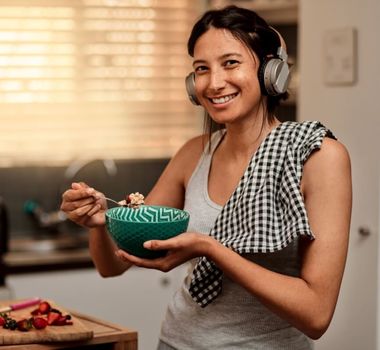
point(353, 113)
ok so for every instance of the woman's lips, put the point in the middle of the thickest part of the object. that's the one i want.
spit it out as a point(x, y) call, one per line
point(223, 99)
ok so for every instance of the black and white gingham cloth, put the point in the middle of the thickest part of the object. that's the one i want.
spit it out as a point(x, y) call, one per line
point(266, 211)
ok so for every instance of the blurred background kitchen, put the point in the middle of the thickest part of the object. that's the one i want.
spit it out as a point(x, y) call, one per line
point(93, 90)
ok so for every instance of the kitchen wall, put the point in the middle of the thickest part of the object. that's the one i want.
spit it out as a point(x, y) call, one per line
point(45, 185)
point(351, 111)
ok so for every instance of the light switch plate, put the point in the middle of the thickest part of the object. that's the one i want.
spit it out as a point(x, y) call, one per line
point(339, 56)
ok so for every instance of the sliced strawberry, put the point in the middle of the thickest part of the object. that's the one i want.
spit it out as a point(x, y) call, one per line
point(39, 322)
point(62, 321)
point(56, 310)
point(52, 317)
point(44, 308)
point(36, 312)
point(24, 325)
point(2, 321)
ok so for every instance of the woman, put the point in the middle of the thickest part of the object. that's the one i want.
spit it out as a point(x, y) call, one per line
point(269, 203)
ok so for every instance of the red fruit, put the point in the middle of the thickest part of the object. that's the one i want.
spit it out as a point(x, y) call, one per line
point(44, 308)
point(52, 317)
point(24, 325)
point(36, 312)
point(2, 321)
point(56, 310)
point(62, 321)
point(39, 323)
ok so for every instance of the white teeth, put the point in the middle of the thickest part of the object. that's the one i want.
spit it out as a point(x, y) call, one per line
point(223, 99)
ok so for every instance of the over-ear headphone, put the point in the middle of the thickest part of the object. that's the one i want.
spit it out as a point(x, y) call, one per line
point(273, 76)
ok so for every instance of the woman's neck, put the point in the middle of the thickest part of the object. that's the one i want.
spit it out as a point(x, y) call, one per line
point(242, 141)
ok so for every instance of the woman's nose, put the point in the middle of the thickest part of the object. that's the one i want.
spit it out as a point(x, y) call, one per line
point(217, 80)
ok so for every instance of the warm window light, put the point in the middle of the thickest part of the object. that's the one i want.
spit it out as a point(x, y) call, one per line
point(112, 12)
point(100, 78)
point(36, 11)
point(146, 37)
point(11, 49)
point(37, 61)
point(48, 85)
point(102, 25)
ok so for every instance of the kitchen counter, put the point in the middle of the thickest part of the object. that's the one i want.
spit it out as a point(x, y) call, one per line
point(106, 336)
point(30, 255)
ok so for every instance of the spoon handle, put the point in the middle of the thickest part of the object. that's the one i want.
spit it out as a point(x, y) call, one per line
point(113, 201)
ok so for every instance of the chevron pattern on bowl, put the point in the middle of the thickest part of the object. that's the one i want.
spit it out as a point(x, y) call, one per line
point(148, 213)
point(130, 228)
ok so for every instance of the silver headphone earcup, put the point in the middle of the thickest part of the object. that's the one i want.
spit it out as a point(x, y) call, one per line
point(190, 88)
point(276, 76)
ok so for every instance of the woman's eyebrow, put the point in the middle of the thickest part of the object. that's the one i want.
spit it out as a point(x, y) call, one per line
point(196, 62)
point(223, 57)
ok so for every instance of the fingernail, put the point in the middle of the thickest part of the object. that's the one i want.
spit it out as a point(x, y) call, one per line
point(147, 244)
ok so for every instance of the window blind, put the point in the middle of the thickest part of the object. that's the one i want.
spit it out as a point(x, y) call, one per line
point(94, 79)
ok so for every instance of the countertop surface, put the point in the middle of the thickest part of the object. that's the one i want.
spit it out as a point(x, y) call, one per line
point(33, 255)
point(116, 336)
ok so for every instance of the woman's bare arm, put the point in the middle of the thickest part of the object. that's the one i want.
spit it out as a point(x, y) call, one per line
point(86, 206)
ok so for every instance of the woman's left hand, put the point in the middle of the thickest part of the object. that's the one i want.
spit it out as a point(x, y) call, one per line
point(181, 248)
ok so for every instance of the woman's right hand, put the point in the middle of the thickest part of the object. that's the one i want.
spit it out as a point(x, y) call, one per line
point(84, 205)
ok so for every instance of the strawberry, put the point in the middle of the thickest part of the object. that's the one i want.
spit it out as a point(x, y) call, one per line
point(56, 310)
point(62, 321)
point(2, 321)
point(44, 308)
point(39, 322)
point(52, 317)
point(24, 325)
point(36, 312)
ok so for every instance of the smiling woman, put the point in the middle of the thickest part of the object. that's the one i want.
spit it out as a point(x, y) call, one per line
point(269, 203)
point(86, 78)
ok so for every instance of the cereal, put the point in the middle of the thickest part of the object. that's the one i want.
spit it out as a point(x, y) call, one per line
point(134, 200)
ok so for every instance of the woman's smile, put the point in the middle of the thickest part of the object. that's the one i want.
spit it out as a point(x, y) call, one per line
point(223, 99)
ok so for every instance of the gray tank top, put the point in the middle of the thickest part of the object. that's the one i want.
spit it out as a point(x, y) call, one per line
point(236, 319)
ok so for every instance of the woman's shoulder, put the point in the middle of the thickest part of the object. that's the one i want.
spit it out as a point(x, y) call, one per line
point(303, 131)
point(331, 161)
point(305, 137)
point(333, 152)
point(187, 157)
point(200, 144)
point(192, 148)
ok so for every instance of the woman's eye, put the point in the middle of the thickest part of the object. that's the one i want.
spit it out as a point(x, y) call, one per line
point(200, 69)
point(231, 63)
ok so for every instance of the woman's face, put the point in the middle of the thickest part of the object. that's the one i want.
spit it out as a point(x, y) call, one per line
point(226, 80)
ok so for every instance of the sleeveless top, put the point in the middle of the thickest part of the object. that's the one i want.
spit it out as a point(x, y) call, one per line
point(266, 211)
point(235, 319)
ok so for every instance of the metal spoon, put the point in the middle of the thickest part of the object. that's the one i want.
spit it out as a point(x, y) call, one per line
point(113, 201)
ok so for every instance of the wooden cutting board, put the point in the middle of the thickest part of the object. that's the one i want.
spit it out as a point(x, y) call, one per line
point(76, 331)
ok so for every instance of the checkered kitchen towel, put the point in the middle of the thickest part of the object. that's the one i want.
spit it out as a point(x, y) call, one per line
point(266, 211)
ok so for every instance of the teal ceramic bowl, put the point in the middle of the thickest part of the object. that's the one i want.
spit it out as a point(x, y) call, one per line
point(130, 228)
